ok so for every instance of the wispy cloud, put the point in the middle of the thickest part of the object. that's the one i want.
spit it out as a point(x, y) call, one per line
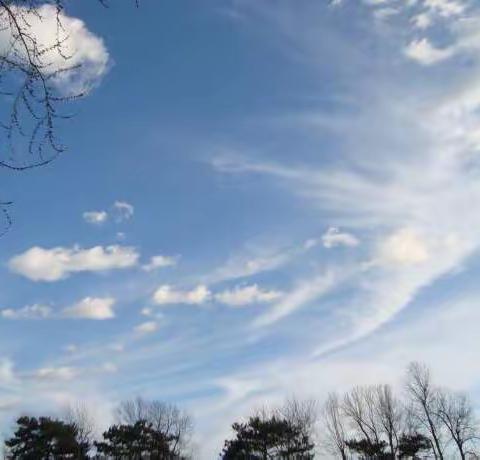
point(246, 295)
point(95, 217)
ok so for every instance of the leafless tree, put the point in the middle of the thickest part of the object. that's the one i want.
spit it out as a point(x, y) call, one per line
point(302, 413)
point(33, 64)
point(390, 416)
point(456, 412)
point(359, 405)
point(81, 417)
point(333, 427)
point(423, 403)
point(29, 71)
point(164, 417)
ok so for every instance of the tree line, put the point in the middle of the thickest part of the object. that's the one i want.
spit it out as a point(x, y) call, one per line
point(373, 422)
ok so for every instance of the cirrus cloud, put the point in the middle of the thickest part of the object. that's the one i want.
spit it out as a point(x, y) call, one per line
point(245, 295)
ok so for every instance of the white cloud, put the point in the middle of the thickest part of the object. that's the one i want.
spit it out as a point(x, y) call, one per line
point(147, 327)
point(40, 264)
point(86, 51)
point(6, 370)
point(305, 292)
point(246, 265)
point(56, 373)
point(423, 52)
point(167, 294)
point(96, 308)
point(422, 21)
point(404, 247)
point(245, 295)
point(95, 217)
point(36, 311)
point(333, 237)
point(445, 8)
point(160, 262)
point(123, 211)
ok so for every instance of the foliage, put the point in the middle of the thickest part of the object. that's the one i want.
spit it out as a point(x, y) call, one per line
point(45, 438)
point(135, 442)
point(268, 438)
point(410, 445)
point(369, 449)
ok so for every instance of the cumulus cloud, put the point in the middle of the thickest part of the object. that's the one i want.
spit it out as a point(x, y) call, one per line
point(425, 53)
point(40, 264)
point(123, 211)
point(87, 52)
point(96, 308)
point(35, 311)
point(404, 247)
point(95, 217)
point(245, 295)
point(333, 237)
point(159, 262)
point(167, 294)
point(147, 327)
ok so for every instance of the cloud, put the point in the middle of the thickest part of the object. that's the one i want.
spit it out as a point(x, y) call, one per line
point(95, 217)
point(87, 53)
point(146, 328)
point(36, 311)
point(304, 292)
point(40, 264)
point(423, 52)
point(245, 295)
point(123, 211)
point(6, 370)
point(333, 237)
point(96, 308)
point(405, 190)
point(56, 373)
point(166, 294)
point(71, 348)
point(160, 262)
point(404, 247)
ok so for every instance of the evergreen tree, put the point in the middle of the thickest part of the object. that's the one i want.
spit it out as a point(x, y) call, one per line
point(44, 439)
point(265, 439)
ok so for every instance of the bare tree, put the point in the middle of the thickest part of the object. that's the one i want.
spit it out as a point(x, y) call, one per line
point(423, 405)
point(36, 60)
point(83, 420)
point(456, 412)
point(359, 405)
point(390, 416)
point(164, 417)
point(334, 438)
point(302, 413)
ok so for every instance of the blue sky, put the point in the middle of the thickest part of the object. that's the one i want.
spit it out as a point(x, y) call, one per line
point(259, 198)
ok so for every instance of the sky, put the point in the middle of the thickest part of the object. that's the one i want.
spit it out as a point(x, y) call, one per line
point(259, 199)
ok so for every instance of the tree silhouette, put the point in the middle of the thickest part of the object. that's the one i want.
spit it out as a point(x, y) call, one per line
point(45, 438)
point(135, 442)
point(369, 450)
point(268, 438)
point(409, 445)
